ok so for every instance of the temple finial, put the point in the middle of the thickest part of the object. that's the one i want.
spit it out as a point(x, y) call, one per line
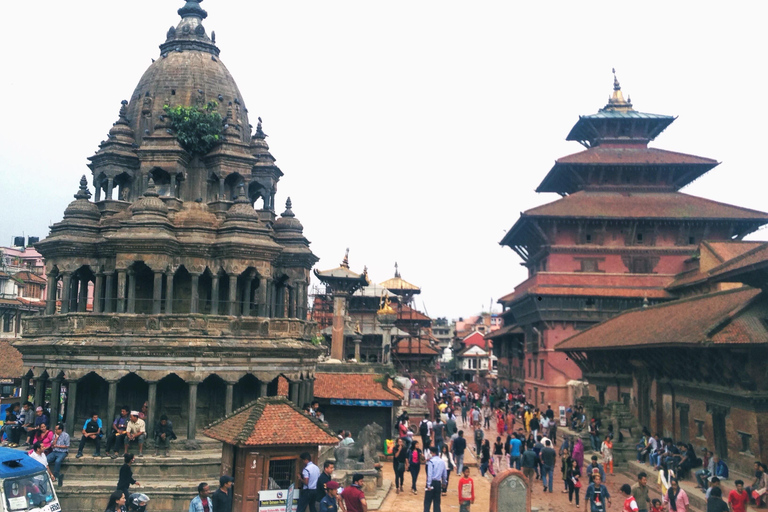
point(151, 191)
point(288, 212)
point(259, 132)
point(345, 261)
point(616, 101)
point(192, 8)
point(616, 85)
point(123, 109)
point(397, 270)
point(240, 194)
point(83, 192)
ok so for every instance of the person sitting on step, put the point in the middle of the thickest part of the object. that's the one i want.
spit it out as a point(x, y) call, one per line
point(92, 432)
point(163, 435)
point(135, 431)
point(116, 438)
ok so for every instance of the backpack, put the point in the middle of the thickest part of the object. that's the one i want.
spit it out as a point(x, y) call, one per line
point(423, 428)
point(92, 427)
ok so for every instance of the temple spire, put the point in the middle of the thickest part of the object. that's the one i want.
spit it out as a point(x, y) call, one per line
point(192, 8)
point(397, 270)
point(345, 261)
point(83, 192)
point(616, 101)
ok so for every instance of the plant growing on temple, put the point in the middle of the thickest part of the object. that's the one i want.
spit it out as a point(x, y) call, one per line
point(197, 130)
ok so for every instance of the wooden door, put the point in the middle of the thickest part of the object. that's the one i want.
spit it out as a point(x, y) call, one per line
point(249, 475)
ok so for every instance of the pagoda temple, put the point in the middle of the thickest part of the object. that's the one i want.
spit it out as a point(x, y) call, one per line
point(616, 239)
point(181, 287)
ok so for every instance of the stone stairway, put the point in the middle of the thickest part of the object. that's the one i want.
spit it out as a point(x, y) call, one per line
point(170, 482)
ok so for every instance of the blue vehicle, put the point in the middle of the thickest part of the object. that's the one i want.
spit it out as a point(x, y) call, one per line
point(25, 485)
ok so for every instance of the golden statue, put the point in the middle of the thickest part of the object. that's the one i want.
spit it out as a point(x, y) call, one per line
point(385, 305)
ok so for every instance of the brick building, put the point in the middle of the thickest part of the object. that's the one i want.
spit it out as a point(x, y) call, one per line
point(615, 240)
point(692, 369)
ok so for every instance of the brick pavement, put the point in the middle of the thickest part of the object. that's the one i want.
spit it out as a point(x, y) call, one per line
point(554, 502)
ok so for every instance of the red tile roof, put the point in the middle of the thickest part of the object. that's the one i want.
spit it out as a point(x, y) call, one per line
point(642, 205)
point(29, 277)
point(721, 317)
point(12, 366)
point(728, 250)
point(270, 421)
point(757, 256)
point(415, 346)
point(355, 386)
point(407, 313)
point(639, 155)
point(476, 339)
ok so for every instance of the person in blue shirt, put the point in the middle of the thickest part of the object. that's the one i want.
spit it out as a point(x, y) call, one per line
point(91, 432)
point(329, 502)
point(437, 479)
point(201, 502)
point(514, 452)
point(309, 476)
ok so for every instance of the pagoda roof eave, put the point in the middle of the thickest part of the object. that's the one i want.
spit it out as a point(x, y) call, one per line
point(585, 131)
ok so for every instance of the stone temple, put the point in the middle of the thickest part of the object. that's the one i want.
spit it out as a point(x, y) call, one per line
point(178, 284)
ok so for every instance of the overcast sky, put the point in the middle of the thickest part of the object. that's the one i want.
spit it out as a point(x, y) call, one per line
point(408, 131)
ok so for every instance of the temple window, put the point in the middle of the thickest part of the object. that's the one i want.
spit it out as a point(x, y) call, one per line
point(282, 472)
point(746, 442)
point(699, 428)
point(639, 238)
point(589, 265)
point(542, 370)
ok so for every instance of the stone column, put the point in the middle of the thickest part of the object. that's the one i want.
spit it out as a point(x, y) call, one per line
point(50, 301)
point(108, 292)
point(97, 196)
point(168, 292)
point(230, 396)
point(110, 186)
point(270, 310)
point(66, 284)
point(120, 292)
point(82, 297)
point(39, 391)
point(293, 393)
point(222, 196)
point(71, 407)
point(157, 293)
point(73, 294)
point(24, 389)
point(215, 294)
point(97, 295)
point(151, 405)
point(311, 390)
point(55, 400)
point(337, 333)
point(263, 389)
point(111, 405)
point(261, 292)
point(232, 295)
point(131, 291)
point(357, 339)
point(192, 416)
point(194, 300)
point(291, 307)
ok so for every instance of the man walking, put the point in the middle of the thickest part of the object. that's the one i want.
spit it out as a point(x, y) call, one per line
point(459, 446)
point(515, 450)
point(596, 495)
point(309, 476)
point(529, 461)
point(548, 456)
point(640, 492)
point(222, 499)
point(437, 478)
point(353, 496)
point(201, 502)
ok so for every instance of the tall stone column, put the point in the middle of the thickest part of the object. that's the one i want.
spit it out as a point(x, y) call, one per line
point(232, 295)
point(168, 292)
point(97, 293)
point(263, 386)
point(66, 284)
point(82, 298)
point(291, 307)
point(109, 292)
point(311, 390)
point(357, 339)
point(131, 291)
point(50, 295)
point(215, 294)
point(261, 292)
point(73, 294)
point(71, 407)
point(270, 308)
point(157, 293)
point(55, 400)
point(24, 389)
point(194, 300)
point(192, 416)
point(230, 397)
point(151, 405)
point(110, 186)
point(293, 393)
point(120, 291)
point(337, 333)
point(39, 390)
point(111, 404)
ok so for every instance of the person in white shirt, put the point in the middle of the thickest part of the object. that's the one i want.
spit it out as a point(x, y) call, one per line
point(37, 454)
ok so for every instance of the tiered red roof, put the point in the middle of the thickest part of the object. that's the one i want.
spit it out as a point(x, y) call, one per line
point(633, 155)
point(355, 386)
point(415, 346)
point(270, 421)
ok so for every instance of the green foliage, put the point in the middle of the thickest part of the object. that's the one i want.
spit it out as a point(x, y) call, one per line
point(198, 131)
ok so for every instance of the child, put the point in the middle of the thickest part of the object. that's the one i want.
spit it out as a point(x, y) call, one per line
point(656, 505)
point(466, 490)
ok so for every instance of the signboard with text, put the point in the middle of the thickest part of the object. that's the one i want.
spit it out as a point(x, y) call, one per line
point(362, 403)
point(563, 420)
point(276, 501)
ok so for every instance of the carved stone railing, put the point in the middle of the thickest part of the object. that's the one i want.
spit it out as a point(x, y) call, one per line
point(79, 324)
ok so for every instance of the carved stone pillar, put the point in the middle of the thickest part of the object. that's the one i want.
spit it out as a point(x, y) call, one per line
point(232, 295)
point(262, 297)
point(110, 186)
point(151, 405)
point(215, 294)
point(263, 386)
point(111, 405)
point(24, 389)
point(157, 293)
point(168, 292)
point(194, 300)
point(50, 297)
point(291, 307)
point(108, 292)
point(66, 285)
point(192, 416)
point(55, 400)
point(293, 393)
point(131, 291)
point(82, 298)
point(270, 310)
point(121, 276)
point(230, 396)
point(39, 390)
point(71, 406)
point(97, 294)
